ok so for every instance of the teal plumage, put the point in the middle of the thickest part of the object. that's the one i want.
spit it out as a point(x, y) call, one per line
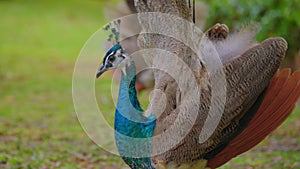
point(130, 122)
point(111, 50)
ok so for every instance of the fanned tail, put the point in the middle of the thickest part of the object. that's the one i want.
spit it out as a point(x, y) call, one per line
point(278, 103)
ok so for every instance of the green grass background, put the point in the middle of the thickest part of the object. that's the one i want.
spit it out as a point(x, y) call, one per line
point(39, 45)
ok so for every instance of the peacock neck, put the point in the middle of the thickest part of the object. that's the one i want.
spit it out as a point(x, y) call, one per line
point(131, 123)
point(127, 86)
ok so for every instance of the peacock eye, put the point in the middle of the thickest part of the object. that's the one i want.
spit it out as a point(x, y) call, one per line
point(111, 59)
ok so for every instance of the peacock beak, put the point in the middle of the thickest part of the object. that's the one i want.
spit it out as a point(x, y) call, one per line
point(101, 70)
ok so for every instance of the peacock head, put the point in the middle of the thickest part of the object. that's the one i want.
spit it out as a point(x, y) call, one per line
point(114, 58)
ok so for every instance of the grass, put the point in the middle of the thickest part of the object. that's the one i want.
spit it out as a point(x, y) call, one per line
point(40, 42)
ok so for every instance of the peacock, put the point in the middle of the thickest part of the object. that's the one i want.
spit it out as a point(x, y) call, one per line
point(259, 98)
point(259, 112)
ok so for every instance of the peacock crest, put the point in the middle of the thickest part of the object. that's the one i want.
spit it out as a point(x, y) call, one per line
point(114, 28)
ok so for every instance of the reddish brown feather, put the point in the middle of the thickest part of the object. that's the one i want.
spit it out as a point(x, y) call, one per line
point(279, 101)
point(264, 116)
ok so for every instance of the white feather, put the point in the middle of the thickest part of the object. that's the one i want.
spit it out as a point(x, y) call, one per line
point(236, 44)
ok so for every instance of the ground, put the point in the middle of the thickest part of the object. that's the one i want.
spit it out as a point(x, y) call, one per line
point(40, 42)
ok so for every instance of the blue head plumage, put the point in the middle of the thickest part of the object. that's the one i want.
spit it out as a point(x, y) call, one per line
point(112, 50)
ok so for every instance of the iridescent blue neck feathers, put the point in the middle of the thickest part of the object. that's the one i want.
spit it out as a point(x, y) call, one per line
point(133, 131)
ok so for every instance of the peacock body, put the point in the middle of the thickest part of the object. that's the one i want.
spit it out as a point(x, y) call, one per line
point(256, 116)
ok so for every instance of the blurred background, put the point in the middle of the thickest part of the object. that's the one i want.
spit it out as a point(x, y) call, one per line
point(39, 44)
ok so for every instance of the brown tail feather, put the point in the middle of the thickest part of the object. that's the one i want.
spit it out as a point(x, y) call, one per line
point(279, 102)
point(283, 98)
